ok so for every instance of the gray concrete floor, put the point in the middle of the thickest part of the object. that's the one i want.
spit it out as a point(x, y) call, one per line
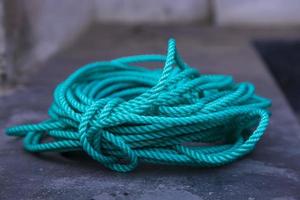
point(272, 171)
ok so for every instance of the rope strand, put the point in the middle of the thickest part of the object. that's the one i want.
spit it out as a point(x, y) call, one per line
point(120, 114)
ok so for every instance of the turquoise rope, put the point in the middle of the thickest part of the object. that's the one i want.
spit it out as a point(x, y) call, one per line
point(120, 113)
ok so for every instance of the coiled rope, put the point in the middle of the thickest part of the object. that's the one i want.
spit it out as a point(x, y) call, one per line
point(120, 114)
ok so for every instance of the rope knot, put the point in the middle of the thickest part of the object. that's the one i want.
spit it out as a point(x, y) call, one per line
point(101, 144)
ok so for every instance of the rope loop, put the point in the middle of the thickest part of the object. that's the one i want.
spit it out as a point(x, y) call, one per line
point(93, 135)
point(120, 113)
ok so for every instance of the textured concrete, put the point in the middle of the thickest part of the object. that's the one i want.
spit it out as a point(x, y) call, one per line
point(272, 171)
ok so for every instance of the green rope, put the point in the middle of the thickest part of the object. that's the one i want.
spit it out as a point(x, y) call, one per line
point(120, 113)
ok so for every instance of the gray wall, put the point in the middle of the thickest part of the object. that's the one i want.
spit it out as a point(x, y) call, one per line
point(257, 13)
point(34, 30)
point(153, 11)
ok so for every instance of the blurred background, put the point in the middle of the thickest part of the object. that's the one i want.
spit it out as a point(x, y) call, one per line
point(31, 31)
point(43, 41)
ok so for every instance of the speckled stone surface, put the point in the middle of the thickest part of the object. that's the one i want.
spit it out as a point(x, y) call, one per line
point(272, 171)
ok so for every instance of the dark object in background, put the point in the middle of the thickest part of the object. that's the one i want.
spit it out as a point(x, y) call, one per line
point(283, 60)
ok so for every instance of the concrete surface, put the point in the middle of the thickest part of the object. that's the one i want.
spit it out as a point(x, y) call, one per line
point(283, 60)
point(272, 171)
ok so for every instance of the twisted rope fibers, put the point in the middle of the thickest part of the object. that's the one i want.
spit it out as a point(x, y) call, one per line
point(120, 113)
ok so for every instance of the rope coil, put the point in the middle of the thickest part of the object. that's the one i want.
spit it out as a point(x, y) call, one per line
point(120, 113)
